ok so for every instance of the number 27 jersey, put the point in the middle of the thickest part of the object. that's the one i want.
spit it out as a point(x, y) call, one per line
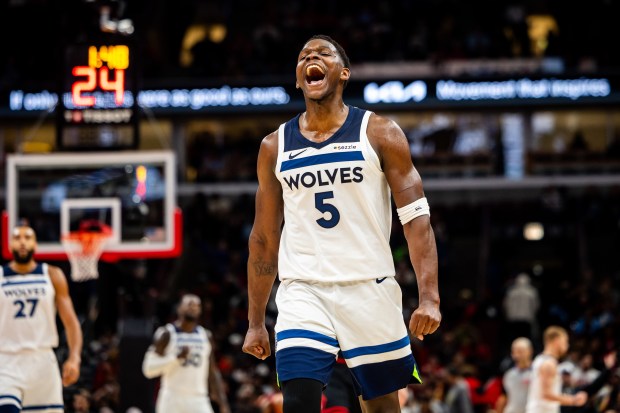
point(27, 310)
point(337, 209)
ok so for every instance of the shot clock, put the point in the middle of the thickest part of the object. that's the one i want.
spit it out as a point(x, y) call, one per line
point(98, 108)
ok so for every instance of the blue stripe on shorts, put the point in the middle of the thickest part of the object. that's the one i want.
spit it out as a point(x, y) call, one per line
point(299, 333)
point(10, 397)
point(44, 407)
point(378, 349)
point(378, 379)
point(304, 363)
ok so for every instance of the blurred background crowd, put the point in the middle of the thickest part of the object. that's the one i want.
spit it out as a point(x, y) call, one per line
point(243, 39)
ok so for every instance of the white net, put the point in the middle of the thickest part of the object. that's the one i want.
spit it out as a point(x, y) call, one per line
point(84, 249)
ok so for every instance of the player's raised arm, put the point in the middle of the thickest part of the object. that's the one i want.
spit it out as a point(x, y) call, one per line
point(73, 331)
point(391, 145)
point(263, 245)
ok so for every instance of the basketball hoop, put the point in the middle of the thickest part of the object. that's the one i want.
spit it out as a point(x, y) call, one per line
point(84, 247)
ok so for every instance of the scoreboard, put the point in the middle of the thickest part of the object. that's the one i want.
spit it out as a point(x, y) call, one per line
point(98, 109)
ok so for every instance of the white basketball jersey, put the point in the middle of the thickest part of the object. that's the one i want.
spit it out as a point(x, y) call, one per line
point(535, 401)
point(190, 376)
point(27, 310)
point(337, 207)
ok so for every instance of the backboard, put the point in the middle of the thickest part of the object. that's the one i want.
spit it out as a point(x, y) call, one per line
point(134, 193)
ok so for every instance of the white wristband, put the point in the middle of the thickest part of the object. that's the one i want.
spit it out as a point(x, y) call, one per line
point(413, 210)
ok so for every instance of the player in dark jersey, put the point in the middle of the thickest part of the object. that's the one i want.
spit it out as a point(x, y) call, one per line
point(340, 394)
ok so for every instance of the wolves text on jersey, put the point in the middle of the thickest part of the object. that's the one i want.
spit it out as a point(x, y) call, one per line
point(24, 292)
point(324, 177)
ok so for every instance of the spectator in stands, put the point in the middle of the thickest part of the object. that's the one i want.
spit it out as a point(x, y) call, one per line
point(613, 149)
point(579, 143)
point(457, 398)
point(521, 305)
point(82, 401)
point(592, 388)
point(584, 373)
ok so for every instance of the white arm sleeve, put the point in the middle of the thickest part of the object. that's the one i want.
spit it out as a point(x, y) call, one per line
point(155, 365)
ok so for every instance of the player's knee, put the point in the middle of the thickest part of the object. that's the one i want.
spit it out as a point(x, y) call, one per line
point(384, 404)
point(302, 396)
point(9, 408)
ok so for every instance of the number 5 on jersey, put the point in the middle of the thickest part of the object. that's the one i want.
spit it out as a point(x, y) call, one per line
point(323, 207)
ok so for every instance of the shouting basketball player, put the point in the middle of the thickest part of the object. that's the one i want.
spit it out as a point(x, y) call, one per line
point(30, 295)
point(327, 174)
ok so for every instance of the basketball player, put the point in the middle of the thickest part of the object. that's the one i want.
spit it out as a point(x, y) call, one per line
point(30, 294)
point(182, 354)
point(328, 174)
point(545, 392)
point(516, 380)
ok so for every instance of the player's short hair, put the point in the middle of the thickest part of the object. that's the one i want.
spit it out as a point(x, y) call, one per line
point(553, 332)
point(343, 55)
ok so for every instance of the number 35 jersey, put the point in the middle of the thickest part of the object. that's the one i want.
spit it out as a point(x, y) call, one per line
point(189, 376)
point(337, 209)
point(27, 310)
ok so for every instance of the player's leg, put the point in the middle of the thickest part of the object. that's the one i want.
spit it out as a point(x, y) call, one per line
point(44, 387)
point(382, 404)
point(306, 345)
point(302, 395)
point(375, 342)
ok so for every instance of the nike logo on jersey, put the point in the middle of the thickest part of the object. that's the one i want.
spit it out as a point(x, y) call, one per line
point(380, 280)
point(293, 156)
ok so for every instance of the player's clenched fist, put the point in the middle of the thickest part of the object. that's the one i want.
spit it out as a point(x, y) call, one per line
point(425, 320)
point(70, 372)
point(257, 342)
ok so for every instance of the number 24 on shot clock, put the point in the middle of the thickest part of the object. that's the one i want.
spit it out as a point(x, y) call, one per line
point(105, 71)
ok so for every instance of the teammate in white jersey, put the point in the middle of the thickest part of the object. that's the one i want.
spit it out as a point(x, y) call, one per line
point(516, 380)
point(545, 392)
point(328, 174)
point(182, 354)
point(30, 295)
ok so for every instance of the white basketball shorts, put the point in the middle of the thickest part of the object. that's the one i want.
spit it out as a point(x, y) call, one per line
point(31, 381)
point(170, 401)
point(362, 319)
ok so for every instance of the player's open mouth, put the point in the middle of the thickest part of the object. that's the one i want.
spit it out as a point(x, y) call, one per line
point(315, 74)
